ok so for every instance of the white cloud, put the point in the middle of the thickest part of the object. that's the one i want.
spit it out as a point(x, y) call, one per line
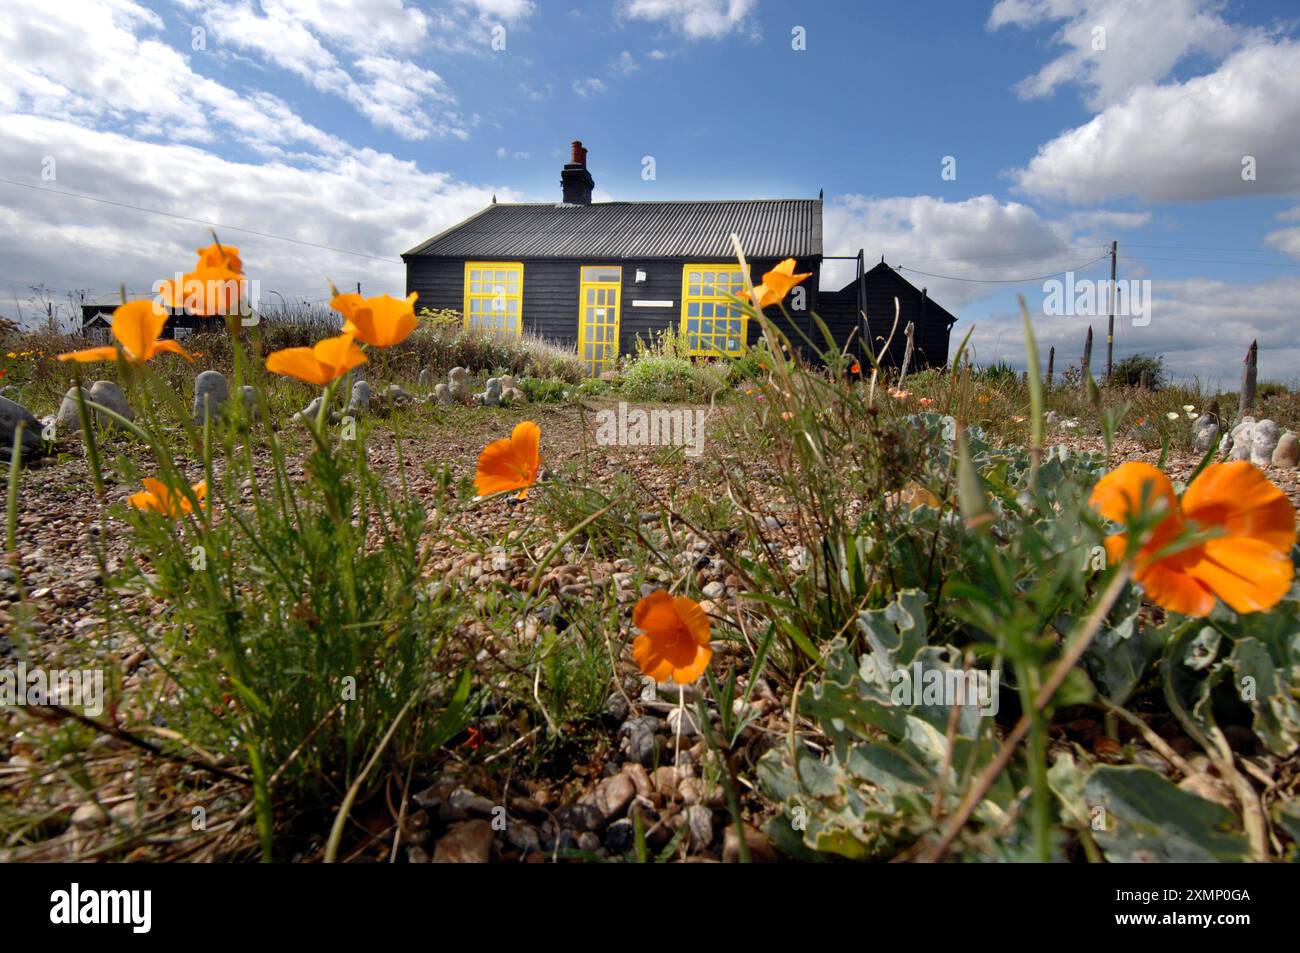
point(625, 64)
point(979, 238)
point(693, 19)
point(1285, 240)
point(1099, 226)
point(363, 201)
point(129, 82)
point(1140, 43)
point(588, 87)
point(509, 10)
point(397, 94)
point(358, 26)
point(393, 92)
point(1185, 141)
point(1200, 326)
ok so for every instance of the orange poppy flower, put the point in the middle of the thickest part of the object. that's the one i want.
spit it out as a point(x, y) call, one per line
point(675, 643)
point(777, 284)
point(207, 290)
point(156, 497)
point(136, 326)
point(914, 496)
point(325, 361)
point(510, 463)
point(856, 368)
point(217, 255)
point(381, 321)
point(1247, 564)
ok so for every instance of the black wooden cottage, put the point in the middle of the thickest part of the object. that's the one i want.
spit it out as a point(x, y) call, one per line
point(97, 319)
point(596, 275)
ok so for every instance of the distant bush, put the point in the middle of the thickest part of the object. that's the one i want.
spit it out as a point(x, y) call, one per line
point(1128, 370)
point(997, 374)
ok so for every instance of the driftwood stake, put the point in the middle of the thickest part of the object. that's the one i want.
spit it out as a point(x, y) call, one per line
point(908, 332)
point(1051, 364)
point(1249, 368)
point(1086, 365)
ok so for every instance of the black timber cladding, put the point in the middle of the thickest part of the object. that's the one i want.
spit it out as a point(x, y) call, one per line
point(550, 293)
point(699, 230)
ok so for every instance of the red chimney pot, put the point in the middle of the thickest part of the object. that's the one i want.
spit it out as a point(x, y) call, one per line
point(579, 153)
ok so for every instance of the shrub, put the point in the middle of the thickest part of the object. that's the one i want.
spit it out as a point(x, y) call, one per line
point(543, 390)
point(997, 374)
point(670, 379)
point(1128, 370)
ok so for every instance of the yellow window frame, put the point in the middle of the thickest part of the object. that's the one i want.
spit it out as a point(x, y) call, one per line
point(494, 296)
point(609, 295)
point(712, 322)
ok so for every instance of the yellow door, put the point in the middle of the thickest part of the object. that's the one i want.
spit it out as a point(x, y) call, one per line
point(598, 297)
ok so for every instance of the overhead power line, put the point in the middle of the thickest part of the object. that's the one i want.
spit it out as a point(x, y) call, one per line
point(198, 221)
point(1003, 281)
point(1037, 253)
point(1215, 261)
point(1253, 251)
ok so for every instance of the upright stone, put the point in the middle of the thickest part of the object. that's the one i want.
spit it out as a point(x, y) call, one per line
point(426, 378)
point(491, 396)
point(359, 403)
point(210, 394)
point(441, 394)
point(107, 394)
point(12, 414)
point(458, 385)
point(68, 418)
point(1264, 442)
point(1287, 453)
point(248, 398)
point(1243, 436)
point(1203, 436)
point(309, 414)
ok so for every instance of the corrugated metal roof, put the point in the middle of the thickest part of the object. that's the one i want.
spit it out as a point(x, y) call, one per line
point(768, 228)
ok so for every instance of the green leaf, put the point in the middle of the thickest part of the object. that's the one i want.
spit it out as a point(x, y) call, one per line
point(1148, 819)
point(1262, 685)
point(1122, 652)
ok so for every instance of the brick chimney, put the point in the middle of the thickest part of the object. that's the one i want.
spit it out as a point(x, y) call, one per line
point(575, 179)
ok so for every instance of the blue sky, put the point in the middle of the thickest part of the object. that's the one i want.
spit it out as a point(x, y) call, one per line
point(366, 126)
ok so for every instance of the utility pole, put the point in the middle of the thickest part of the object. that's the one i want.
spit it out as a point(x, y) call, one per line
point(1110, 324)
